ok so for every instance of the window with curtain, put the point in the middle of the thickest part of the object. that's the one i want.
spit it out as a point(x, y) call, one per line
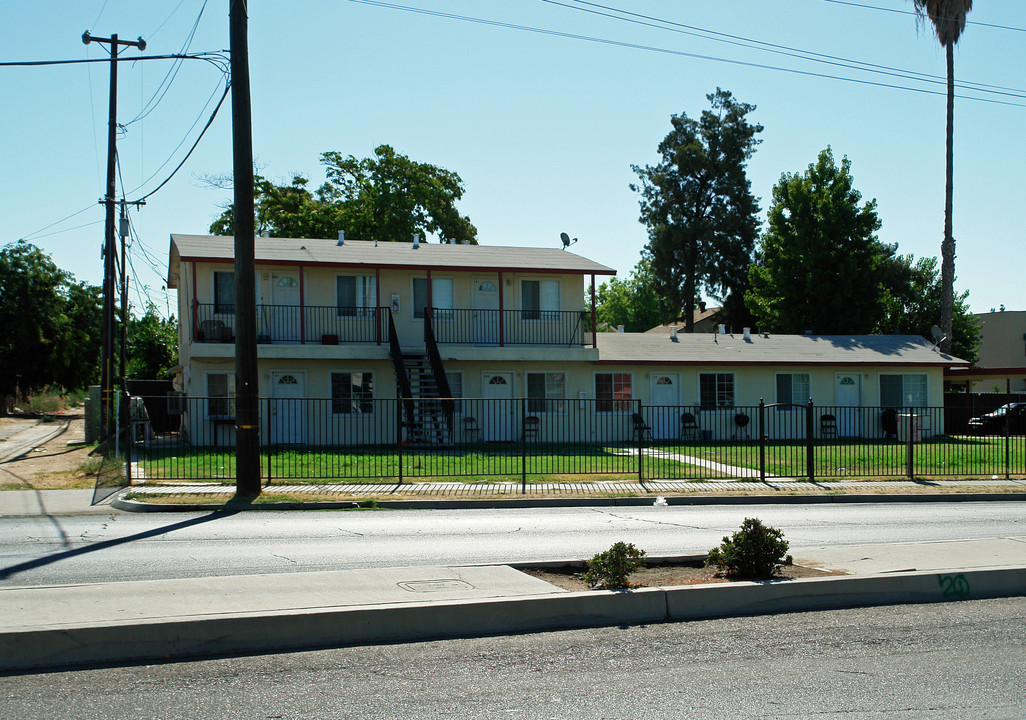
point(898, 391)
point(441, 297)
point(792, 388)
point(224, 292)
point(221, 395)
point(716, 390)
point(352, 393)
point(539, 299)
point(546, 392)
point(355, 295)
point(613, 392)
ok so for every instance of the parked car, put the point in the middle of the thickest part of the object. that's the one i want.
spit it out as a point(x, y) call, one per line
point(993, 423)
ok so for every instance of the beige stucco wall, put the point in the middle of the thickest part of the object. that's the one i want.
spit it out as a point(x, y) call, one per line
point(1002, 345)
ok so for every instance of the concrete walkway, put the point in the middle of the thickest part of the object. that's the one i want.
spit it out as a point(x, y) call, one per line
point(82, 624)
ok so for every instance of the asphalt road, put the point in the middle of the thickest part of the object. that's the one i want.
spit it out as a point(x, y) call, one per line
point(125, 546)
point(915, 662)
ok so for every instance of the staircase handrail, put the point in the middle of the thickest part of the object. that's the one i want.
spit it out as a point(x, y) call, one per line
point(438, 370)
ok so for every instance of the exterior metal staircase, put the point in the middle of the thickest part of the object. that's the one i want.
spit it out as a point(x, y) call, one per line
point(427, 400)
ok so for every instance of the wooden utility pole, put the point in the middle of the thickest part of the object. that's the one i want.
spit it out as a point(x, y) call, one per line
point(247, 411)
point(109, 243)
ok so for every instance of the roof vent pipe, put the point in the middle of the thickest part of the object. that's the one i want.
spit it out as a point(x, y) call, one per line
point(673, 332)
point(341, 237)
point(723, 329)
point(748, 333)
point(416, 241)
point(619, 328)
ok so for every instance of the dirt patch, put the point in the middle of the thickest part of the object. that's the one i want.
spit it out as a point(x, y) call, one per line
point(54, 461)
point(663, 575)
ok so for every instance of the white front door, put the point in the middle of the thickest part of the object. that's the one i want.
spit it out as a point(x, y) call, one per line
point(848, 399)
point(664, 405)
point(284, 310)
point(497, 413)
point(485, 314)
point(288, 408)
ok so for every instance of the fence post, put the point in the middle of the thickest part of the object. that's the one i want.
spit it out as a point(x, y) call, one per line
point(641, 445)
point(399, 433)
point(523, 447)
point(909, 450)
point(270, 438)
point(1008, 438)
point(810, 449)
point(762, 440)
point(130, 442)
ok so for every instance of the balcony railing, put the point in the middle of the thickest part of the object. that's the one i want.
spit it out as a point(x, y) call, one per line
point(568, 328)
point(312, 324)
point(330, 325)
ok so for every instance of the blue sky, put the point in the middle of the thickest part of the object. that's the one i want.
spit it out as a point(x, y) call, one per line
point(542, 120)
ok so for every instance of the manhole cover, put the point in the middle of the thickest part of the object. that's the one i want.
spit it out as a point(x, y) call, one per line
point(430, 586)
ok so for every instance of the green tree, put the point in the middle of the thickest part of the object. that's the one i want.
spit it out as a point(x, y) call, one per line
point(633, 302)
point(819, 265)
point(49, 324)
point(948, 19)
point(386, 197)
point(912, 302)
point(698, 206)
point(152, 345)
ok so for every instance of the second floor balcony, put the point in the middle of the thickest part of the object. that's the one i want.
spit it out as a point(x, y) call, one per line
point(333, 325)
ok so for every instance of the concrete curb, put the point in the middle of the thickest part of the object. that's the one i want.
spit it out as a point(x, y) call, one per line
point(483, 504)
point(119, 643)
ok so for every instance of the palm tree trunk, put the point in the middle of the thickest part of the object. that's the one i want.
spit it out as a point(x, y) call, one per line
point(948, 245)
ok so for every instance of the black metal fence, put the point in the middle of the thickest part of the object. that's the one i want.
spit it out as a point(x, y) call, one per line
point(358, 438)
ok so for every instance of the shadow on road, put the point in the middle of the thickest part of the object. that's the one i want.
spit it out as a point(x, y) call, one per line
point(230, 508)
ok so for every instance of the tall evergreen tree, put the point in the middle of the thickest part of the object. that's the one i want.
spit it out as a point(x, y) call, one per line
point(698, 206)
point(819, 266)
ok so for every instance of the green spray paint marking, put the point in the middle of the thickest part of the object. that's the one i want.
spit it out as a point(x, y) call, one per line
point(953, 586)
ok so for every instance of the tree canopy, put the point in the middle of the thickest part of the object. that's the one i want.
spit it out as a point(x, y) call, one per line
point(819, 265)
point(912, 301)
point(50, 325)
point(633, 302)
point(698, 206)
point(152, 345)
point(388, 197)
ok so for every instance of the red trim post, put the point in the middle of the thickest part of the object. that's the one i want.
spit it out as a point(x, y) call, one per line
point(377, 304)
point(429, 310)
point(594, 327)
point(195, 307)
point(302, 307)
point(502, 313)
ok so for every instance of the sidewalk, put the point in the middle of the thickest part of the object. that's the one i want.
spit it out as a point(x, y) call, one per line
point(63, 626)
point(167, 498)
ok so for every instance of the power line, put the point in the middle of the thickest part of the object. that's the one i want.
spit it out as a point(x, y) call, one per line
point(210, 121)
point(676, 53)
point(912, 12)
point(171, 74)
point(58, 222)
point(207, 55)
point(785, 50)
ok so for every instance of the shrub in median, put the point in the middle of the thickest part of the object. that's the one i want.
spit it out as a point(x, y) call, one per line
point(609, 570)
point(755, 552)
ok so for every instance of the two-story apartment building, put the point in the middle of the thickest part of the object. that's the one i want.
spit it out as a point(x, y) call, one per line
point(348, 323)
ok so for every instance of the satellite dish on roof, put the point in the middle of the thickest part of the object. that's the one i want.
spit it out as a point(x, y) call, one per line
point(567, 242)
point(938, 335)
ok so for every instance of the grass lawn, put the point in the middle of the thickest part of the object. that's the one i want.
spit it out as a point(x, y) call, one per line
point(483, 463)
point(589, 463)
point(835, 459)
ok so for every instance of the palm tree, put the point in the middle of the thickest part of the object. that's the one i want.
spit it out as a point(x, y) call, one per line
point(948, 19)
